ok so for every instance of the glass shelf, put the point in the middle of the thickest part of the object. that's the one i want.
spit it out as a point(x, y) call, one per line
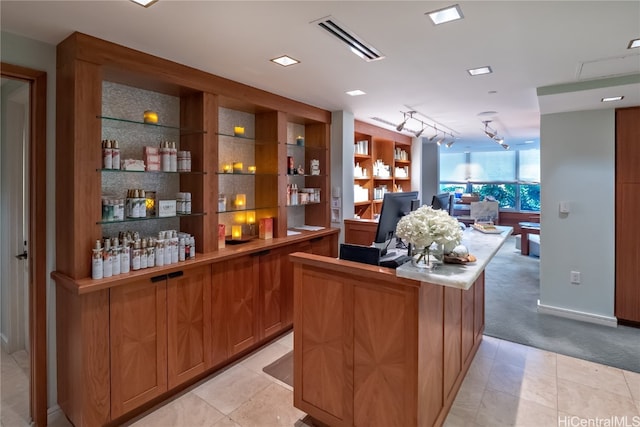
point(246, 174)
point(246, 209)
point(305, 204)
point(303, 175)
point(152, 172)
point(309, 147)
point(151, 218)
point(242, 137)
point(115, 121)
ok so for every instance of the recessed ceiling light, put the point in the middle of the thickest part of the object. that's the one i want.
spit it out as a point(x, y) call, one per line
point(612, 98)
point(145, 3)
point(447, 14)
point(285, 61)
point(356, 92)
point(480, 71)
point(633, 44)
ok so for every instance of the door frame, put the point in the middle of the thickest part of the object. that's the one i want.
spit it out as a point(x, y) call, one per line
point(37, 236)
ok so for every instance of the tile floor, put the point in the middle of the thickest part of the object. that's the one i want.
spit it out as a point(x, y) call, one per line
point(507, 385)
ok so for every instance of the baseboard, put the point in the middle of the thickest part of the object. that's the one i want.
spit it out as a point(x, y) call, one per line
point(578, 315)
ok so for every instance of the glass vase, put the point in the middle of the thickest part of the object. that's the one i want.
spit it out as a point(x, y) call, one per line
point(428, 258)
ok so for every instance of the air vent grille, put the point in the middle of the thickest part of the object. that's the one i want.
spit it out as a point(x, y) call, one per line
point(353, 42)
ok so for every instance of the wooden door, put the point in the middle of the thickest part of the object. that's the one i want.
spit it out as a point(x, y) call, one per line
point(239, 283)
point(273, 316)
point(138, 333)
point(188, 324)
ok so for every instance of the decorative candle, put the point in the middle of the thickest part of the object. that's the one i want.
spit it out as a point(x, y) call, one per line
point(251, 169)
point(150, 117)
point(241, 201)
point(251, 217)
point(300, 140)
point(240, 217)
point(238, 130)
point(236, 232)
point(221, 235)
point(238, 167)
point(227, 168)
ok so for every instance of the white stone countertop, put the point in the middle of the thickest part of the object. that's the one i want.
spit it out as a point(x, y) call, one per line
point(461, 276)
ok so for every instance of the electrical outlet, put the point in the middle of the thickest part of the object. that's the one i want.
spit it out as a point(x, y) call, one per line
point(575, 277)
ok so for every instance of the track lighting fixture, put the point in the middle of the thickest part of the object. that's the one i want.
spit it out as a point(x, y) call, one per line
point(450, 143)
point(408, 115)
point(434, 135)
point(440, 141)
point(493, 134)
point(418, 133)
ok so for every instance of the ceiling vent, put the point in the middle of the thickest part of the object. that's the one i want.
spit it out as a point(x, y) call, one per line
point(353, 42)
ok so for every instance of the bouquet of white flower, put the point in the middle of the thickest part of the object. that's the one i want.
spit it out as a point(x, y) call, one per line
point(426, 226)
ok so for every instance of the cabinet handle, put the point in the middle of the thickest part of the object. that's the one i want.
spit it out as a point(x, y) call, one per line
point(316, 239)
point(159, 278)
point(265, 252)
point(176, 274)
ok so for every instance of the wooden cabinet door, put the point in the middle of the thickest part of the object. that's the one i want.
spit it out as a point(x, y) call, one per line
point(138, 334)
point(325, 246)
point(238, 279)
point(271, 292)
point(188, 324)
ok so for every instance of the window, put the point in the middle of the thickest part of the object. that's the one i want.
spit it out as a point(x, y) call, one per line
point(511, 177)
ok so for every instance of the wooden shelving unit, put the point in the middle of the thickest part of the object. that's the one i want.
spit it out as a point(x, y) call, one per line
point(226, 302)
point(384, 147)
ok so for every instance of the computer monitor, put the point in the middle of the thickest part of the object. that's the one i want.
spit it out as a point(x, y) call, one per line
point(394, 207)
point(441, 201)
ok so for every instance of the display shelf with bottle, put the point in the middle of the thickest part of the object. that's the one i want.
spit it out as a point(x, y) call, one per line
point(381, 163)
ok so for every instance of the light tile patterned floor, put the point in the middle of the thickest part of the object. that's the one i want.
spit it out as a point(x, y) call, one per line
point(507, 385)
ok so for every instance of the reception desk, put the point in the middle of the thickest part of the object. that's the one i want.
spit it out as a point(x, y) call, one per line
point(374, 348)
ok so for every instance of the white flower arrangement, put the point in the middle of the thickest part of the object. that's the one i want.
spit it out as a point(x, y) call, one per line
point(426, 226)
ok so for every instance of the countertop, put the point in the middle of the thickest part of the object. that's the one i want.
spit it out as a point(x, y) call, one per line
point(461, 276)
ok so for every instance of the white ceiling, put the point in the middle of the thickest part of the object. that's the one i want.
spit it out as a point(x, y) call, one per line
point(528, 44)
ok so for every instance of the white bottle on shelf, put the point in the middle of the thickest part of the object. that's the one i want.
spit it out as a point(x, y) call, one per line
point(97, 261)
point(125, 257)
point(107, 260)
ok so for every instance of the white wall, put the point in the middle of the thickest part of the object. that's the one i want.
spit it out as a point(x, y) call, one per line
point(342, 151)
point(577, 162)
point(36, 55)
point(430, 171)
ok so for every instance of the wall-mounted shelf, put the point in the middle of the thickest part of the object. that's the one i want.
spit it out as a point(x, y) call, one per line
point(151, 172)
point(151, 218)
point(120, 122)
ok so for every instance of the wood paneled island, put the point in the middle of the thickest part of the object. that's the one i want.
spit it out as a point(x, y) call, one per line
point(377, 349)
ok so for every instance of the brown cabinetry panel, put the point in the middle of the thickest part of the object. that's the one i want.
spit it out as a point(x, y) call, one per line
point(188, 325)
point(138, 334)
point(452, 337)
point(380, 356)
point(478, 309)
point(238, 279)
point(627, 298)
point(323, 348)
point(271, 293)
point(628, 248)
point(287, 279)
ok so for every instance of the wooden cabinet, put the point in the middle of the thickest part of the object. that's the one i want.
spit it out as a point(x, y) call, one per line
point(627, 298)
point(189, 321)
point(382, 163)
point(374, 349)
point(138, 335)
point(158, 335)
point(236, 282)
point(272, 292)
